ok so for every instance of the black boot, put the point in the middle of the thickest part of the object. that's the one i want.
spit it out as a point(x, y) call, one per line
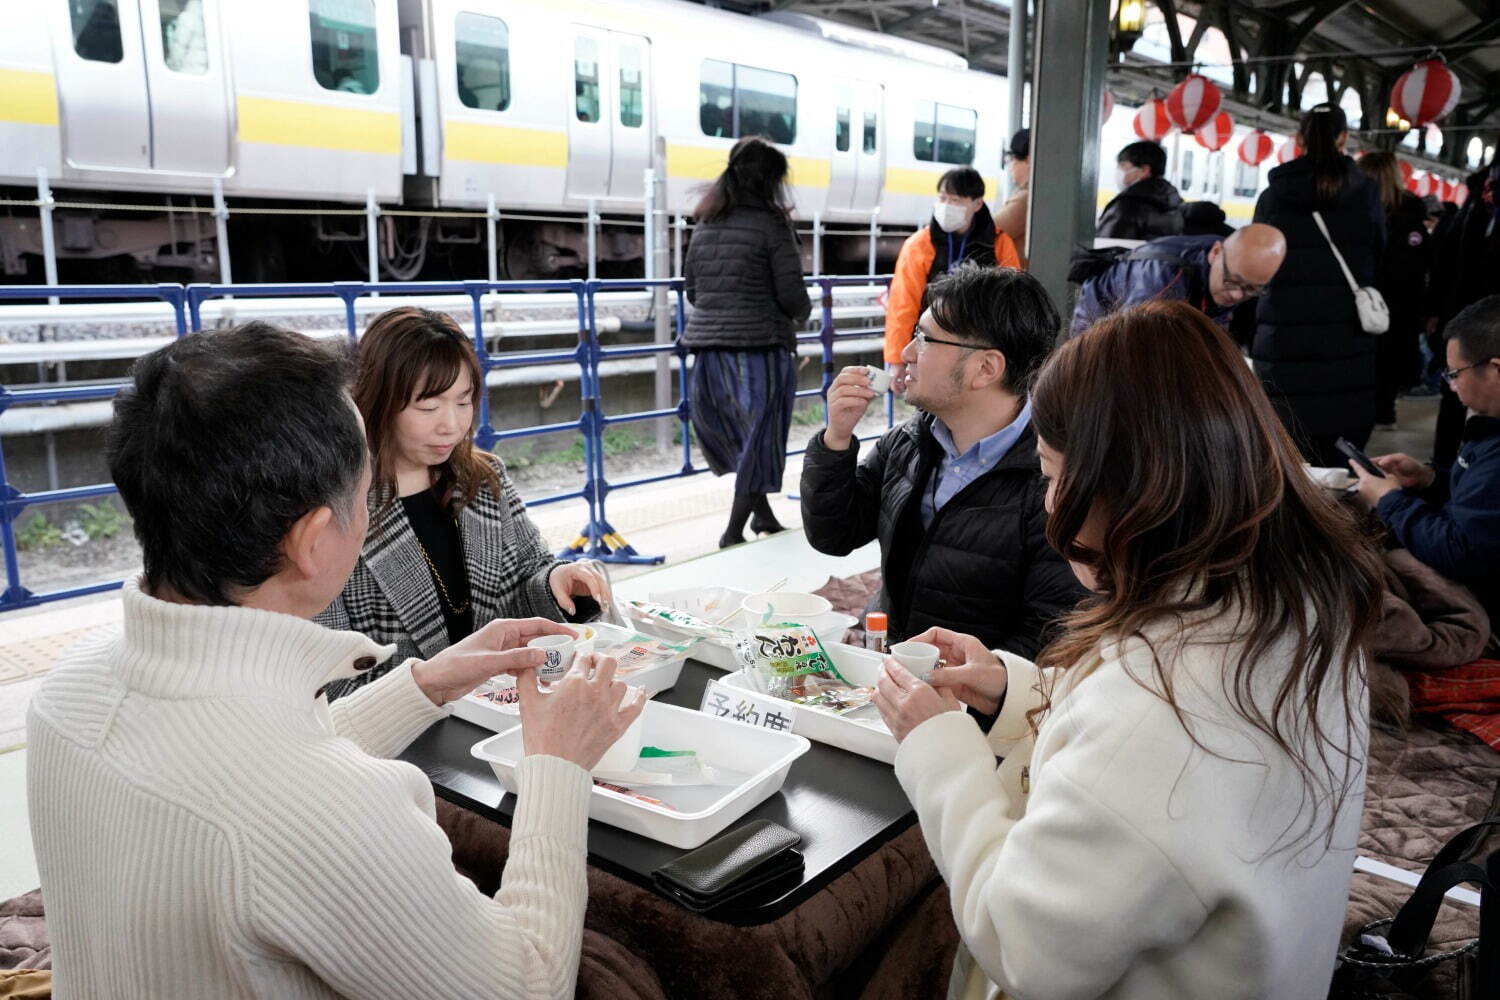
point(764, 520)
point(744, 503)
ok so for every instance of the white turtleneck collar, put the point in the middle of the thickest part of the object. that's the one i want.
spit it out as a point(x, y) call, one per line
point(194, 651)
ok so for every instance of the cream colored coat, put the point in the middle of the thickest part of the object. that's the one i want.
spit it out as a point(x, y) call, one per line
point(1111, 857)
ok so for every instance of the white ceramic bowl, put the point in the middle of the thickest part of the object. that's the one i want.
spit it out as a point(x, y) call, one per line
point(785, 606)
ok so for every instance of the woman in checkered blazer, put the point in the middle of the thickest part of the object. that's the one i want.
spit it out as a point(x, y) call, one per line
point(449, 547)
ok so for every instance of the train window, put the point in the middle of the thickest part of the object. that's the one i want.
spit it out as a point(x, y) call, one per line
point(742, 100)
point(586, 79)
point(923, 123)
point(344, 53)
point(943, 133)
point(184, 42)
point(841, 130)
point(871, 136)
point(632, 100)
point(1185, 180)
point(1246, 179)
point(481, 51)
point(96, 30)
point(766, 104)
point(955, 134)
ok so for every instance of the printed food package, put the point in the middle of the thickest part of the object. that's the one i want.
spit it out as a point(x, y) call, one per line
point(662, 616)
point(788, 661)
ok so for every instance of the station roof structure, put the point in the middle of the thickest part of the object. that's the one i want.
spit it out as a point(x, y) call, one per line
point(1271, 57)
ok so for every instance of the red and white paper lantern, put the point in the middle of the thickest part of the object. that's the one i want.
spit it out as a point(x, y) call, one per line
point(1288, 151)
point(1425, 93)
point(1406, 171)
point(1107, 107)
point(1255, 147)
point(1461, 193)
point(1216, 133)
point(1193, 102)
point(1151, 122)
point(1425, 184)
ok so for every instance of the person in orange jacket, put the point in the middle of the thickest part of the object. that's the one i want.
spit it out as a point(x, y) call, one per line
point(961, 230)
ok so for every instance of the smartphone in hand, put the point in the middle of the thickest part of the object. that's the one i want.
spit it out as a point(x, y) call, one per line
point(1352, 453)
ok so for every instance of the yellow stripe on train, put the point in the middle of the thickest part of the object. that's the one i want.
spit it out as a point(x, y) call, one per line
point(319, 126)
point(27, 97)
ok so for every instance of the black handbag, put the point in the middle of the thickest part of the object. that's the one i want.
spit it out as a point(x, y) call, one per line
point(1389, 958)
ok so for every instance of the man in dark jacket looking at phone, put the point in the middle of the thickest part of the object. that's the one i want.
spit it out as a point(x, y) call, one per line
point(954, 494)
point(1453, 524)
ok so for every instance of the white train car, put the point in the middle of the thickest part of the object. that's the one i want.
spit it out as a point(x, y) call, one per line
point(297, 108)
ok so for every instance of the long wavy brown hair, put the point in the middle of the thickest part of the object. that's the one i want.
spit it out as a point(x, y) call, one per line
point(1172, 447)
point(409, 354)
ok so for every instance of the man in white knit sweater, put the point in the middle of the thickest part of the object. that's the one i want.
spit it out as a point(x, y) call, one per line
point(205, 825)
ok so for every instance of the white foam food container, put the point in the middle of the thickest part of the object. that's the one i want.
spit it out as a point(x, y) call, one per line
point(757, 757)
point(502, 717)
point(861, 731)
point(713, 603)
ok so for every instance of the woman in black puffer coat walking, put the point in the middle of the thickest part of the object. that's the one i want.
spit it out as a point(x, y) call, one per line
point(1318, 365)
point(1401, 277)
point(744, 278)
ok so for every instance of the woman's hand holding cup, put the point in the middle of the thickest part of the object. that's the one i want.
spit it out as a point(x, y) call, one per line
point(977, 677)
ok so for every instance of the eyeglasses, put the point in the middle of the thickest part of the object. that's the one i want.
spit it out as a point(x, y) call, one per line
point(922, 339)
point(1450, 375)
point(1235, 283)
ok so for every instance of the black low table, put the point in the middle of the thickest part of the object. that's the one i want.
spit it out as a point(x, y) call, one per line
point(843, 805)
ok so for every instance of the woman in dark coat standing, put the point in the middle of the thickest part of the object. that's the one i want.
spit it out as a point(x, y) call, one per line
point(744, 279)
point(1316, 362)
point(1401, 277)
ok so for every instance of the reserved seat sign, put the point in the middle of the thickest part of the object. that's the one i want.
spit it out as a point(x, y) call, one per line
point(725, 702)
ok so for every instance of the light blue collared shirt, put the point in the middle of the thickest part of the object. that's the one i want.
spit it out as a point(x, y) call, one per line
point(954, 471)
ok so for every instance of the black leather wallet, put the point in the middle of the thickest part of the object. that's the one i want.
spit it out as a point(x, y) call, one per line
point(731, 866)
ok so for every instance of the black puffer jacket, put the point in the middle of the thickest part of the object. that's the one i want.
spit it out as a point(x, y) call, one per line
point(1318, 364)
point(744, 279)
point(983, 567)
point(1145, 210)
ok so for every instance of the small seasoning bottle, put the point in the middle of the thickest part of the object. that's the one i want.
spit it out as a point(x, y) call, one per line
point(876, 623)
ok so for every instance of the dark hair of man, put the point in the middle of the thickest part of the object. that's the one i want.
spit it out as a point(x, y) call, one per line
point(1171, 445)
point(409, 354)
point(1318, 134)
point(1006, 309)
point(221, 442)
point(964, 182)
point(1145, 154)
point(1477, 330)
point(755, 176)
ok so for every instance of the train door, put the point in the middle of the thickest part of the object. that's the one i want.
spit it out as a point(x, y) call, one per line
point(857, 159)
point(843, 159)
point(630, 122)
point(101, 84)
point(185, 78)
point(869, 174)
point(589, 127)
point(141, 84)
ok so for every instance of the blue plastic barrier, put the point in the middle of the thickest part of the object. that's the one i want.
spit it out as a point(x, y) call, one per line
point(596, 539)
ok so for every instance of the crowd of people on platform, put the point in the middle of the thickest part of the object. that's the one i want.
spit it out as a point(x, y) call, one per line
point(1146, 605)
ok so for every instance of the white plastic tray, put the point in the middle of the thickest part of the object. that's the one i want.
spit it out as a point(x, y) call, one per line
point(830, 627)
point(500, 718)
point(861, 731)
point(760, 756)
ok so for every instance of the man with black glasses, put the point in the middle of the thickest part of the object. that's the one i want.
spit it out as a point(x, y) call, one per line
point(955, 494)
point(1213, 274)
point(1452, 524)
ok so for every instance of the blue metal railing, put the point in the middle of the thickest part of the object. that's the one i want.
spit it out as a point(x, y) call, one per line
point(596, 539)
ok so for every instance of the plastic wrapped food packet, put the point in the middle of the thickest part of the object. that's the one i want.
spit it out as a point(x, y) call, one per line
point(642, 651)
point(788, 661)
point(661, 615)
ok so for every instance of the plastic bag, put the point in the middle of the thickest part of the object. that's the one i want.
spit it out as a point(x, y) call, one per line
point(788, 661)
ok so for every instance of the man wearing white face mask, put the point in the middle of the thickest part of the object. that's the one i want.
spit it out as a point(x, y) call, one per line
point(961, 230)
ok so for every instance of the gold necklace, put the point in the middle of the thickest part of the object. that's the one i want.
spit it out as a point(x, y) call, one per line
point(438, 579)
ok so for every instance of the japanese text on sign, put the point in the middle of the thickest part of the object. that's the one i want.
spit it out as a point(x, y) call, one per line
point(725, 702)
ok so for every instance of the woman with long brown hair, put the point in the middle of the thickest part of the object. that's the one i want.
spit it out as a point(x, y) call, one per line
point(1179, 802)
point(450, 547)
point(1309, 349)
